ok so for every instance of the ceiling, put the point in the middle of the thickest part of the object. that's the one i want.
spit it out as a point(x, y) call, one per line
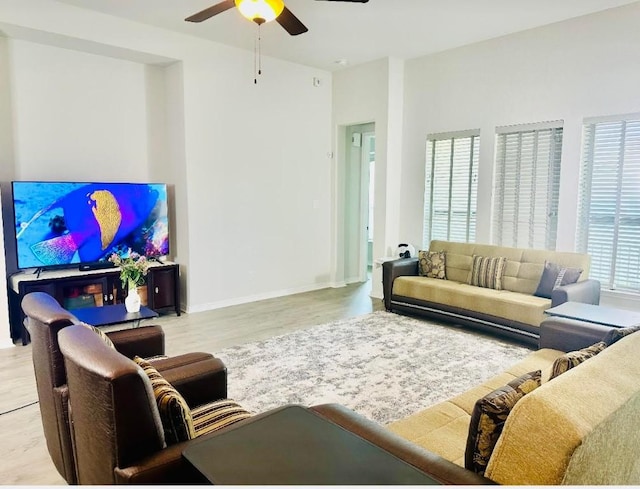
point(357, 32)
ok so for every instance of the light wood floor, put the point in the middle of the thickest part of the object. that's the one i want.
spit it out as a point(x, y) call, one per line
point(23, 454)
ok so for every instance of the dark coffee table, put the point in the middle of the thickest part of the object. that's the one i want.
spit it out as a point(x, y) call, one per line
point(112, 314)
point(294, 445)
point(608, 316)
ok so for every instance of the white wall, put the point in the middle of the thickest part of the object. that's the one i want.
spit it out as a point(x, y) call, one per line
point(7, 171)
point(570, 70)
point(77, 116)
point(247, 164)
point(370, 93)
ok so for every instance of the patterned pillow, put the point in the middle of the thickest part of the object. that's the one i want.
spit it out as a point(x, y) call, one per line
point(217, 415)
point(175, 414)
point(574, 358)
point(432, 264)
point(616, 334)
point(554, 276)
point(488, 417)
point(487, 272)
point(100, 333)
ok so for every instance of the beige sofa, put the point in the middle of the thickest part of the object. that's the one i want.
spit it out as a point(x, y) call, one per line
point(513, 311)
point(579, 428)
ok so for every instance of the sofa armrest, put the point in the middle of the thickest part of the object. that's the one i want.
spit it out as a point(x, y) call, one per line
point(146, 341)
point(438, 468)
point(393, 269)
point(570, 334)
point(587, 291)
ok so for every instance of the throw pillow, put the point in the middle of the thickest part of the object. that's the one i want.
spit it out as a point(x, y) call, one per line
point(100, 333)
point(554, 276)
point(216, 415)
point(487, 272)
point(488, 417)
point(616, 334)
point(574, 358)
point(175, 414)
point(432, 264)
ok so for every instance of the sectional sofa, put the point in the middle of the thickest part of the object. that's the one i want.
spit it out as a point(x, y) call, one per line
point(578, 428)
point(514, 311)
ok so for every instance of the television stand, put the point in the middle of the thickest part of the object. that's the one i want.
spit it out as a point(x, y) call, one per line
point(75, 289)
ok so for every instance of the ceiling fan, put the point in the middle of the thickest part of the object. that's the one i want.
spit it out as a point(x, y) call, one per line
point(261, 11)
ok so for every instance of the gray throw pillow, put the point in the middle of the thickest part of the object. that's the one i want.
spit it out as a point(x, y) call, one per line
point(554, 276)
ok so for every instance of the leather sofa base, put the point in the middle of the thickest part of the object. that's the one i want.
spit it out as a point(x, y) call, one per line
point(513, 330)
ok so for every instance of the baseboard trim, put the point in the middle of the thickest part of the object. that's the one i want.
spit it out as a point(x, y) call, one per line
point(253, 298)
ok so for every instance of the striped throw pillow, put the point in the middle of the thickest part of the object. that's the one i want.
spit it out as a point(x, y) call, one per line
point(217, 415)
point(100, 333)
point(487, 271)
point(175, 414)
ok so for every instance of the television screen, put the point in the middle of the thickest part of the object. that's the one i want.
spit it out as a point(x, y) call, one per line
point(64, 223)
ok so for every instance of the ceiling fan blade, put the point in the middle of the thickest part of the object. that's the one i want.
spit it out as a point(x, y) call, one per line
point(211, 11)
point(291, 23)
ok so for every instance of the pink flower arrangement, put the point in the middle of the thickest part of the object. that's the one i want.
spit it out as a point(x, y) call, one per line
point(133, 268)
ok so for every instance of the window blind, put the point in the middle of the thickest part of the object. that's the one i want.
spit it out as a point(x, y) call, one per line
point(527, 187)
point(451, 183)
point(609, 202)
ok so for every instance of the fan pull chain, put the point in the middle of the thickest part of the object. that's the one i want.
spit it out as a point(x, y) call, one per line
point(257, 58)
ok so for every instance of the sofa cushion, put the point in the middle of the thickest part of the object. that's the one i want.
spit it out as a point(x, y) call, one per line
point(554, 276)
point(487, 271)
point(574, 358)
point(489, 416)
point(175, 414)
point(527, 309)
point(442, 429)
point(615, 334)
point(432, 264)
point(563, 411)
point(524, 266)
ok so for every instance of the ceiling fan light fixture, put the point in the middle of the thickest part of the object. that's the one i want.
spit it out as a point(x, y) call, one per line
point(260, 11)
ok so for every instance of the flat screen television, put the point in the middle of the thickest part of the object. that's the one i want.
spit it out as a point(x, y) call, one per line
point(60, 224)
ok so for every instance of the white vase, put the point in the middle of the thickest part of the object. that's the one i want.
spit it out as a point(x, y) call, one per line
point(132, 301)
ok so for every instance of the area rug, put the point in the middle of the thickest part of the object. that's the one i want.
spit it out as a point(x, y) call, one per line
point(383, 365)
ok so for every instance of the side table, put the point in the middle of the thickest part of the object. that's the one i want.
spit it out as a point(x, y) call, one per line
point(112, 314)
point(293, 445)
point(608, 316)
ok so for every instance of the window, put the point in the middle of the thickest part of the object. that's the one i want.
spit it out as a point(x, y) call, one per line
point(609, 201)
point(451, 183)
point(527, 185)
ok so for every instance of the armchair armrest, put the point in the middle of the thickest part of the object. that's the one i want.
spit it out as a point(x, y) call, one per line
point(199, 382)
point(587, 291)
point(166, 466)
point(146, 341)
point(435, 466)
point(393, 269)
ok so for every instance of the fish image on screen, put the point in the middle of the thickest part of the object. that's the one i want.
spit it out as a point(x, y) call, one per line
point(65, 223)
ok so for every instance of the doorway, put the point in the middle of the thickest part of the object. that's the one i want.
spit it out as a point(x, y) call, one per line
point(359, 202)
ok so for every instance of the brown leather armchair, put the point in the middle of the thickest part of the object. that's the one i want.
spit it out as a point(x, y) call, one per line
point(194, 373)
point(119, 439)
